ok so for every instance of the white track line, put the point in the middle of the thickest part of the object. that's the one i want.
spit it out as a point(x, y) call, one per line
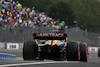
point(33, 63)
point(92, 57)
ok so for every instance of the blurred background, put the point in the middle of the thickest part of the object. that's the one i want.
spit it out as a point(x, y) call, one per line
point(19, 19)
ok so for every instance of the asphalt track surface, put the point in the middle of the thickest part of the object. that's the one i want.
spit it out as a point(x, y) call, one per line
point(93, 61)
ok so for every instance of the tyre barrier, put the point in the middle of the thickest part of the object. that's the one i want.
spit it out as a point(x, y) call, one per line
point(6, 56)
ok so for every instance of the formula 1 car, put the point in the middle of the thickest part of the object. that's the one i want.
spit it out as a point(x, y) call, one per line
point(54, 46)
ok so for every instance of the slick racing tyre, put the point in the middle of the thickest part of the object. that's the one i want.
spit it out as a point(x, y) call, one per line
point(98, 52)
point(83, 52)
point(30, 50)
point(72, 51)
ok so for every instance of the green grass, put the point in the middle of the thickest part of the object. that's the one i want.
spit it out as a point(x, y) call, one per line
point(48, 60)
point(19, 58)
point(10, 49)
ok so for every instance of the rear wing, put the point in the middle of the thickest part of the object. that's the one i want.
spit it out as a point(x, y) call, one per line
point(50, 36)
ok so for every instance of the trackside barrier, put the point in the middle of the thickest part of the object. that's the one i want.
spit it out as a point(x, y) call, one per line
point(6, 56)
point(93, 49)
point(10, 45)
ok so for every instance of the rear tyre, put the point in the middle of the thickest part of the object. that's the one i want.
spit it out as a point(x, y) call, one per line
point(83, 54)
point(98, 52)
point(72, 51)
point(30, 50)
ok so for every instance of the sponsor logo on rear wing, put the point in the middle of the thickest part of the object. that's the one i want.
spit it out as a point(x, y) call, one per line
point(50, 36)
